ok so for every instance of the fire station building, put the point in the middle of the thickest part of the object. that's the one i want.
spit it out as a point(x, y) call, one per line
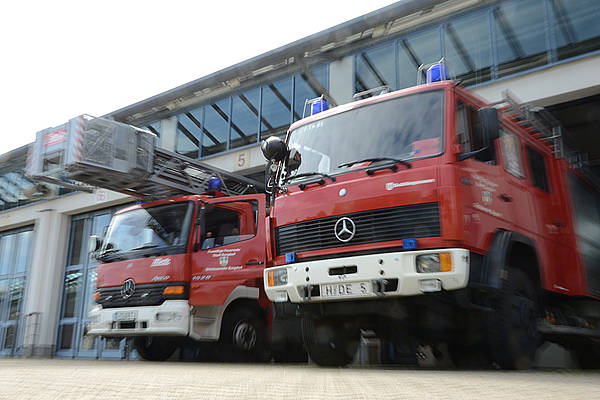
point(546, 52)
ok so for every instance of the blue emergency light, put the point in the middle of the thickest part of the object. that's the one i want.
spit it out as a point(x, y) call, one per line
point(318, 106)
point(290, 258)
point(437, 73)
point(409, 244)
point(214, 183)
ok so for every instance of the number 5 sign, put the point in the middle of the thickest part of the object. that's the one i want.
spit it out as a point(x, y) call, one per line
point(242, 160)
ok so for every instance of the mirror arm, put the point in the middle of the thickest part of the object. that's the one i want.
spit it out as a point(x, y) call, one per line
point(464, 156)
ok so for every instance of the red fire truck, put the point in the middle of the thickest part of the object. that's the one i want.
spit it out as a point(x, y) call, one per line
point(179, 269)
point(431, 217)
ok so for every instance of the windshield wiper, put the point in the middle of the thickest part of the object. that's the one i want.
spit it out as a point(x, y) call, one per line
point(107, 252)
point(146, 246)
point(375, 159)
point(305, 174)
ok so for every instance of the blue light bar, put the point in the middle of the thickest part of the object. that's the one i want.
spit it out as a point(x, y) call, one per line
point(214, 183)
point(290, 258)
point(437, 73)
point(409, 244)
point(318, 106)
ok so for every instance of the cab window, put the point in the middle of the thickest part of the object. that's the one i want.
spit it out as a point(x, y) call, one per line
point(229, 222)
point(469, 135)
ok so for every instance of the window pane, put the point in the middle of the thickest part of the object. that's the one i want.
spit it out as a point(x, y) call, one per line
point(153, 127)
point(520, 36)
point(77, 241)
point(467, 45)
point(305, 90)
point(244, 118)
point(6, 251)
point(538, 169)
point(576, 26)
point(276, 108)
point(9, 339)
point(4, 296)
point(216, 122)
point(16, 295)
point(87, 342)
point(91, 289)
point(189, 131)
point(71, 292)
point(230, 222)
point(23, 252)
point(66, 336)
point(375, 67)
point(422, 48)
point(511, 153)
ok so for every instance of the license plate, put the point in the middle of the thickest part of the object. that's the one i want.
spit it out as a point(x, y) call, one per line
point(125, 316)
point(346, 289)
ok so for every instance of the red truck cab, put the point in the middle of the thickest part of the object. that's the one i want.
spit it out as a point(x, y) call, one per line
point(186, 270)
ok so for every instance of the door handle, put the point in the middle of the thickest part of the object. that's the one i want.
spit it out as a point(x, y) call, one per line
point(505, 197)
point(254, 262)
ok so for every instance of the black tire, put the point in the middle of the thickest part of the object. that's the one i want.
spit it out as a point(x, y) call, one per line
point(329, 342)
point(513, 333)
point(154, 348)
point(587, 353)
point(244, 336)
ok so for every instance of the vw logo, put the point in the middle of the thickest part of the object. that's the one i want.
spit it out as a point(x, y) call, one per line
point(344, 229)
point(128, 288)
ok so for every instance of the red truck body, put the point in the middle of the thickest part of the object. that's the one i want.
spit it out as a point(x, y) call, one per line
point(509, 209)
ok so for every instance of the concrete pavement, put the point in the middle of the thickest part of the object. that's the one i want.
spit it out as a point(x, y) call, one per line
point(82, 379)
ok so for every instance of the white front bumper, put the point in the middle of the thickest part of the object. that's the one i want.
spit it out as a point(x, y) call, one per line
point(372, 271)
point(170, 318)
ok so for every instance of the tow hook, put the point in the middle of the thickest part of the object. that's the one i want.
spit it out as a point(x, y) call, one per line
point(379, 286)
point(307, 291)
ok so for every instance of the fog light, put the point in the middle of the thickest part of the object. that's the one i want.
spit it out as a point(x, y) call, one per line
point(280, 297)
point(164, 316)
point(430, 285)
point(277, 277)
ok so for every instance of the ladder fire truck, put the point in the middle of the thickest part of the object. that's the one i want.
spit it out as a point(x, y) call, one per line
point(431, 217)
point(182, 268)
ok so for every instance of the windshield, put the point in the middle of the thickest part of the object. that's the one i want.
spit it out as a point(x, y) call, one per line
point(402, 128)
point(158, 227)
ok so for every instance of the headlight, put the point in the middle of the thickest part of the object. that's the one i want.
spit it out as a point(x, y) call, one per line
point(278, 277)
point(435, 262)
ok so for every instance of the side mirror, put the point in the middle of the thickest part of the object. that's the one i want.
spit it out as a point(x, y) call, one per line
point(94, 243)
point(274, 149)
point(489, 125)
point(294, 160)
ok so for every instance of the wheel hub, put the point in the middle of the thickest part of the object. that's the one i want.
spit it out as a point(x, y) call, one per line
point(244, 335)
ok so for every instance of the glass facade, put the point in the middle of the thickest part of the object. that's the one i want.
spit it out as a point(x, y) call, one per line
point(499, 40)
point(15, 257)
point(248, 116)
point(79, 286)
point(18, 190)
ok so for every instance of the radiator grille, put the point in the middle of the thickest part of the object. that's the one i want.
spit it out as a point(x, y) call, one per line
point(396, 223)
point(144, 295)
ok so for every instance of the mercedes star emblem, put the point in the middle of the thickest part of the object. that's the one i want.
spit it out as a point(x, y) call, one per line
point(128, 288)
point(344, 229)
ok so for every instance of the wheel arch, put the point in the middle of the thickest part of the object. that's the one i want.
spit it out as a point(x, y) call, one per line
point(510, 249)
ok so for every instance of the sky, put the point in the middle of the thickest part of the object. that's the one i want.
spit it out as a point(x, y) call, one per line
point(60, 59)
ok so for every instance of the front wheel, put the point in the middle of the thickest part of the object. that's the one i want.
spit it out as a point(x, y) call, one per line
point(244, 336)
point(330, 342)
point(514, 337)
point(154, 348)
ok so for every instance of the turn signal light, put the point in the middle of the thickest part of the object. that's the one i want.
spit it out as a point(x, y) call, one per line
point(445, 262)
point(97, 296)
point(174, 290)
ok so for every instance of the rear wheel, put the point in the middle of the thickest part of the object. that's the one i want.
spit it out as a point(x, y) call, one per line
point(514, 337)
point(154, 348)
point(244, 336)
point(330, 342)
point(587, 353)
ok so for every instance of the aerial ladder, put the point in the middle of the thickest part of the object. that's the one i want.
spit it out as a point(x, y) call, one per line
point(88, 152)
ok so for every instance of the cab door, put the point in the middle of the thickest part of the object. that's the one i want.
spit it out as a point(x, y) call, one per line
point(229, 249)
